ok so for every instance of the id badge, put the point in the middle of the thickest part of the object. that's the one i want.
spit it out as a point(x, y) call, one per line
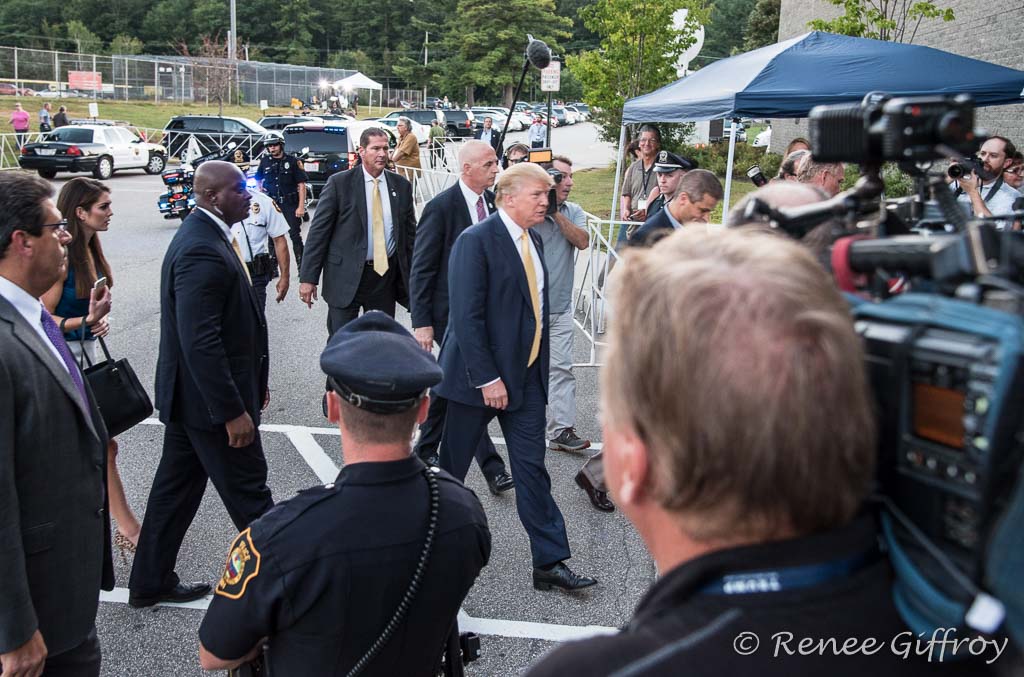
point(641, 204)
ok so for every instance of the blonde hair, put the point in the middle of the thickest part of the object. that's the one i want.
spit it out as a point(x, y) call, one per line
point(515, 177)
point(734, 358)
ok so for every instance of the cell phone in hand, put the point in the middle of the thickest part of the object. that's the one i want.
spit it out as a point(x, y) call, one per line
point(101, 283)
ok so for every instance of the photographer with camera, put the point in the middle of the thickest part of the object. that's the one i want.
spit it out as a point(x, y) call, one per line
point(368, 570)
point(264, 224)
point(979, 185)
point(739, 439)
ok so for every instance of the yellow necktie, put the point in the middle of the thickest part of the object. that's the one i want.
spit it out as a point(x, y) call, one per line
point(238, 253)
point(531, 282)
point(380, 247)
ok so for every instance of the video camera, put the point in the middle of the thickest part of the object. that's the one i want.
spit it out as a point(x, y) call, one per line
point(946, 361)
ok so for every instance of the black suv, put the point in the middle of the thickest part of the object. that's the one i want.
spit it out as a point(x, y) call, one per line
point(212, 132)
point(458, 123)
point(327, 147)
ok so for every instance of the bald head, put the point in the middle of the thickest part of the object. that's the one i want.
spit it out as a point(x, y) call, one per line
point(777, 195)
point(220, 188)
point(478, 165)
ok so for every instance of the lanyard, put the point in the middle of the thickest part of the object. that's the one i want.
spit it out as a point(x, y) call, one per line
point(646, 176)
point(790, 578)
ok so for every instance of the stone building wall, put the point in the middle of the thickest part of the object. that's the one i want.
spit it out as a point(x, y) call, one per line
point(989, 30)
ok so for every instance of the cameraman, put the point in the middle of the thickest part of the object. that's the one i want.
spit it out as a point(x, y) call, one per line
point(739, 440)
point(996, 196)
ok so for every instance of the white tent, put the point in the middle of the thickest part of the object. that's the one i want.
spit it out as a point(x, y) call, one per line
point(358, 81)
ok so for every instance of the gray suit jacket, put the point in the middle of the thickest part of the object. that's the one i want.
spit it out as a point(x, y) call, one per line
point(54, 529)
point(337, 241)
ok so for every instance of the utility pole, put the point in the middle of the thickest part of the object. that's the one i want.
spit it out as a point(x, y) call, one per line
point(233, 46)
point(426, 45)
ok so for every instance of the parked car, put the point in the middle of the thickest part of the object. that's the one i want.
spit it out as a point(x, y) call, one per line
point(424, 116)
point(212, 132)
point(575, 111)
point(100, 149)
point(282, 121)
point(741, 134)
point(25, 91)
point(498, 119)
point(583, 108)
point(329, 147)
point(7, 89)
point(421, 132)
point(432, 102)
point(459, 123)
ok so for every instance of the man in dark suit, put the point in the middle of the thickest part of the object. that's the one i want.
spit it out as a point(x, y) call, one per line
point(696, 197)
point(488, 135)
point(361, 238)
point(444, 218)
point(53, 452)
point(495, 360)
point(211, 385)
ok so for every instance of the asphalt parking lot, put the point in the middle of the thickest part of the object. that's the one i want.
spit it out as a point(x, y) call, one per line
point(517, 623)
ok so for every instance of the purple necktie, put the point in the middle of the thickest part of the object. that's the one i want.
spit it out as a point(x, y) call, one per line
point(481, 214)
point(57, 339)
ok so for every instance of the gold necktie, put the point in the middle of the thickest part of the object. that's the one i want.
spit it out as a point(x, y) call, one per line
point(380, 247)
point(531, 282)
point(238, 253)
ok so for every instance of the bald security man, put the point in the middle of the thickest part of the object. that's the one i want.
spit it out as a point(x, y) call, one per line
point(211, 385)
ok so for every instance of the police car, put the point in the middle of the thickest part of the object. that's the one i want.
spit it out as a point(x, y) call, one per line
point(328, 147)
point(97, 148)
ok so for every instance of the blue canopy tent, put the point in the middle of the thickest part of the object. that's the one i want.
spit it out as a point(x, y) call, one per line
point(787, 79)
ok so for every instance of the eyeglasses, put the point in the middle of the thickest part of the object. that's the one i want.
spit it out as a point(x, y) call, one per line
point(61, 226)
point(1018, 170)
point(515, 161)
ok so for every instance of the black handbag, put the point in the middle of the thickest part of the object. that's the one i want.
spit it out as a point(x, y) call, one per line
point(120, 397)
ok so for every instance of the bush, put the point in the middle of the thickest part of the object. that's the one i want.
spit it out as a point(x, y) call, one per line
point(897, 182)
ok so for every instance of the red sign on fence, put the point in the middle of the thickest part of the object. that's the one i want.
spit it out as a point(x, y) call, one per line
point(88, 80)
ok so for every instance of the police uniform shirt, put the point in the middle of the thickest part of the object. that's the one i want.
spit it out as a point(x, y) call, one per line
point(686, 626)
point(281, 177)
point(323, 573)
point(264, 219)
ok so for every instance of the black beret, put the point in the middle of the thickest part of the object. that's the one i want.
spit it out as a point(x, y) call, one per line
point(374, 363)
point(669, 162)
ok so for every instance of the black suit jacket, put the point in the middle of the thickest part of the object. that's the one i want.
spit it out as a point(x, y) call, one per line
point(491, 323)
point(337, 240)
point(495, 135)
point(54, 530)
point(442, 221)
point(659, 221)
point(213, 364)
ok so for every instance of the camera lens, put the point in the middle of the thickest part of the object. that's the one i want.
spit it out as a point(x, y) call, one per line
point(956, 170)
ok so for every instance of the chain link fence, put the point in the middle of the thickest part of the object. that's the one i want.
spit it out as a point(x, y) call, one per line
point(176, 78)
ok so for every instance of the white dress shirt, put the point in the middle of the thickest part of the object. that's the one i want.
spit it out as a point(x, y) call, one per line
point(385, 201)
point(471, 200)
point(224, 228)
point(31, 309)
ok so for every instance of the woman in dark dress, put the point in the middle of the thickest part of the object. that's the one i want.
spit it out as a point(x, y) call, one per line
point(85, 204)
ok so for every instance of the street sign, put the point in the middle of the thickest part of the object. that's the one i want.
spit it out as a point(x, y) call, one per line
point(551, 77)
point(263, 104)
point(94, 110)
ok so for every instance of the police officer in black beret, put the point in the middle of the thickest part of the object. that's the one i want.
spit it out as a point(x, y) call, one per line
point(321, 575)
point(669, 169)
point(281, 176)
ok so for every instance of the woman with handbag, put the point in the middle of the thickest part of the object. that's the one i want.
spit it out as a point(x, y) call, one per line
point(85, 205)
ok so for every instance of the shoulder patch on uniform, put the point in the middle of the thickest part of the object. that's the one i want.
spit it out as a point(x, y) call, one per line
point(277, 207)
point(242, 566)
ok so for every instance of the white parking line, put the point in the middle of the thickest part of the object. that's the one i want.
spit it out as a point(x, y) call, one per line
point(325, 469)
point(551, 632)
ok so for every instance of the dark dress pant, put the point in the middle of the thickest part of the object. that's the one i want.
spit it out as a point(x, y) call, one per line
point(81, 661)
point(487, 457)
point(524, 436)
point(375, 292)
point(190, 457)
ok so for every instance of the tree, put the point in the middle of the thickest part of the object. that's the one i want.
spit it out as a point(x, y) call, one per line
point(84, 40)
point(763, 26)
point(639, 49)
point(294, 28)
point(485, 39)
point(893, 20)
point(351, 59)
point(125, 44)
point(723, 34)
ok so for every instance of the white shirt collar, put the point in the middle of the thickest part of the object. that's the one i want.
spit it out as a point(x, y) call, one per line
point(224, 228)
point(26, 304)
point(514, 229)
point(671, 219)
point(367, 178)
point(470, 196)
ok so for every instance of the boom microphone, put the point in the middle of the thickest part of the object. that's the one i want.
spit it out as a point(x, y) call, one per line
point(538, 52)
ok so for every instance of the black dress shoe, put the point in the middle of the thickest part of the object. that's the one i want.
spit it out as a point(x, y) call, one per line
point(560, 576)
point(597, 497)
point(500, 483)
point(182, 592)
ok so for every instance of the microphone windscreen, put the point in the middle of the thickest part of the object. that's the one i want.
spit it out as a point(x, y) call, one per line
point(538, 53)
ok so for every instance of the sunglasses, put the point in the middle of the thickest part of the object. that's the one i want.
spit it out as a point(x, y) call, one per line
point(1018, 170)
